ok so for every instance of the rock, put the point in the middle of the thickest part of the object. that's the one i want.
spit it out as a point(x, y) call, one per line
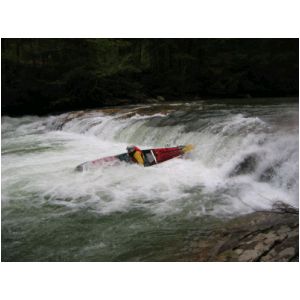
point(249, 255)
point(284, 228)
point(280, 206)
point(294, 233)
point(272, 236)
point(290, 252)
point(282, 236)
point(259, 237)
point(247, 165)
point(267, 174)
point(238, 251)
point(260, 247)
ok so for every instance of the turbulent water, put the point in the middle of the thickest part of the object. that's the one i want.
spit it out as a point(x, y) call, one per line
point(246, 159)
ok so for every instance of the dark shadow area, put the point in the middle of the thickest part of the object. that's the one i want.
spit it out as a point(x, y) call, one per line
point(41, 76)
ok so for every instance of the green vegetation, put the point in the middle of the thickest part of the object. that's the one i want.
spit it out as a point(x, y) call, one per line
point(40, 76)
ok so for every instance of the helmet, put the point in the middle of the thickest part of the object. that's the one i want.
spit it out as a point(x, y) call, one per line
point(131, 148)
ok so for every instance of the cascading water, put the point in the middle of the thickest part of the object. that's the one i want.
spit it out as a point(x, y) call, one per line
point(246, 159)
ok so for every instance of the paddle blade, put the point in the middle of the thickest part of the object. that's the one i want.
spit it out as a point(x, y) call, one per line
point(188, 148)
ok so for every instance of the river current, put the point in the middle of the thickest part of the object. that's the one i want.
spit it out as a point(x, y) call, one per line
point(246, 159)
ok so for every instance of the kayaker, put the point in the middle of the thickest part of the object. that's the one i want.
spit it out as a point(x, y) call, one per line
point(136, 154)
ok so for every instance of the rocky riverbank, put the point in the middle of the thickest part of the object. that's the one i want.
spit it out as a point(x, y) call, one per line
point(260, 236)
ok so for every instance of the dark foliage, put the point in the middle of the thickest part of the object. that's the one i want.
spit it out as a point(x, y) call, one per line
point(50, 75)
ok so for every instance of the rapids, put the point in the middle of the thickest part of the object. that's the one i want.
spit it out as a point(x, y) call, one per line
point(246, 159)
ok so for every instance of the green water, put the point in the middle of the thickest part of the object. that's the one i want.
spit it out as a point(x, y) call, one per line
point(60, 235)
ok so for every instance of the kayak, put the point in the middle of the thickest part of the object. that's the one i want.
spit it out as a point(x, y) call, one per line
point(151, 157)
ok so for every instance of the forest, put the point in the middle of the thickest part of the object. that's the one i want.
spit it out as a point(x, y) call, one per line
point(42, 76)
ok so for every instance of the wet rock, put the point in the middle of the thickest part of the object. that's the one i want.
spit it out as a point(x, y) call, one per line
point(270, 237)
point(288, 252)
point(267, 174)
point(249, 255)
point(284, 229)
point(246, 166)
point(273, 236)
point(259, 237)
point(282, 207)
point(238, 251)
point(292, 234)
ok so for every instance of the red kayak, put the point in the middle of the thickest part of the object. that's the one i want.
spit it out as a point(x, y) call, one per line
point(151, 157)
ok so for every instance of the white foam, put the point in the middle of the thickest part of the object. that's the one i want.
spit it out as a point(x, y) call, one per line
point(195, 186)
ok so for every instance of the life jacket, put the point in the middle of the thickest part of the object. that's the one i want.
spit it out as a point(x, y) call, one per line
point(132, 154)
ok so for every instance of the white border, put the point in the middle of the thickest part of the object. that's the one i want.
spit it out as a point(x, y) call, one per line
point(149, 18)
point(149, 281)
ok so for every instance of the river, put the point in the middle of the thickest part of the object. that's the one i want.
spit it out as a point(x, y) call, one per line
point(246, 158)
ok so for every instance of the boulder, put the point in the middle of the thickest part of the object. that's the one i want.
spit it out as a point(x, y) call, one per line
point(273, 236)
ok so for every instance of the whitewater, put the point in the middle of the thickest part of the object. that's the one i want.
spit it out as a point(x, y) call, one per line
point(246, 158)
